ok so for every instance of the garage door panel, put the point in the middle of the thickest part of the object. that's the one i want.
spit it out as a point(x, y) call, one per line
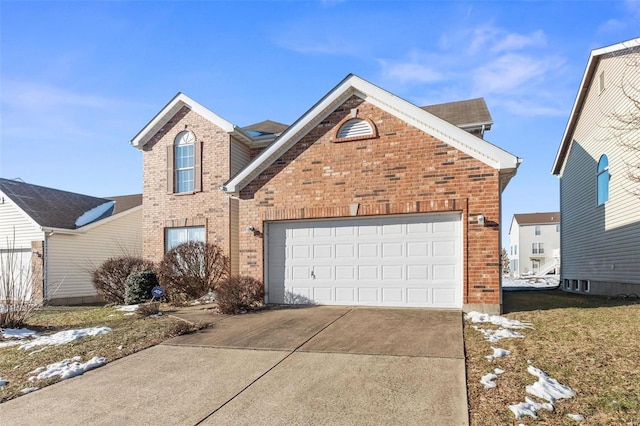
point(402, 260)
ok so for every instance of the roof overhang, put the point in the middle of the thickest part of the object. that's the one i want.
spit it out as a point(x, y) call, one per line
point(178, 102)
point(587, 78)
point(353, 85)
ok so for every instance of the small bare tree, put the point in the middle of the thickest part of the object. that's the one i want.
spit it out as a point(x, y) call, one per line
point(504, 258)
point(17, 277)
point(624, 122)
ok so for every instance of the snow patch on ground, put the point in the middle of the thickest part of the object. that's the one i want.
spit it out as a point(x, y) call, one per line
point(127, 308)
point(67, 368)
point(488, 379)
point(498, 320)
point(548, 388)
point(498, 353)
point(576, 417)
point(530, 283)
point(529, 408)
point(3, 382)
point(495, 335)
point(29, 390)
point(59, 338)
point(18, 333)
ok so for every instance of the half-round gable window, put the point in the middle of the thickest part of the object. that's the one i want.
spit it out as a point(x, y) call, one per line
point(356, 127)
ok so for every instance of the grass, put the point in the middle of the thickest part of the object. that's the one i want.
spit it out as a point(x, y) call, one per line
point(130, 332)
point(591, 344)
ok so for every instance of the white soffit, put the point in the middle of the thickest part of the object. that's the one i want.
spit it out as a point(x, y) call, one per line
point(406, 111)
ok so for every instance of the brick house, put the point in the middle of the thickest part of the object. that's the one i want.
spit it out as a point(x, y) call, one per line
point(366, 199)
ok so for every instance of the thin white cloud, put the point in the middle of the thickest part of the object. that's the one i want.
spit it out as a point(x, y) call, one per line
point(484, 61)
point(510, 72)
point(327, 46)
point(410, 72)
point(633, 6)
point(40, 97)
point(611, 26)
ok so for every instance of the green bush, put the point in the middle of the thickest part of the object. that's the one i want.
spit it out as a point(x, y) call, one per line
point(109, 279)
point(239, 292)
point(138, 286)
point(191, 270)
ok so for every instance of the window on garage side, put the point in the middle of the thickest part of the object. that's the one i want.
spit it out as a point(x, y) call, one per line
point(603, 180)
point(184, 164)
point(177, 236)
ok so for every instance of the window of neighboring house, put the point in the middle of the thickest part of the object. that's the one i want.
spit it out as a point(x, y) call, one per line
point(535, 265)
point(177, 236)
point(515, 249)
point(601, 81)
point(183, 164)
point(558, 228)
point(537, 229)
point(537, 248)
point(603, 180)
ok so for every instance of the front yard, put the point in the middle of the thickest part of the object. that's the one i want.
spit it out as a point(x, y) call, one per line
point(590, 344)
point(128, 333)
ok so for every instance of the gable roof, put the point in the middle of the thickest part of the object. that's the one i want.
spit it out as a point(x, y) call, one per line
point(467, 114)
point(178, 102)
point(583, 90)
point(53, 208)
point(406, 111)
point(537, 218)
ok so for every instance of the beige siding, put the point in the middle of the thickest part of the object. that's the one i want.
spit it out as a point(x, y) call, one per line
point(234, 223)
point(600, 243)
point(14, 223)
point(72, 257)
point(239, 156)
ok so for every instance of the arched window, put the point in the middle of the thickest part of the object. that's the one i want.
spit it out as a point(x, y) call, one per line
point(183, 164)
point(603, 180)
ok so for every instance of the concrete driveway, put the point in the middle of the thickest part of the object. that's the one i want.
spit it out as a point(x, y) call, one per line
point(311, 365)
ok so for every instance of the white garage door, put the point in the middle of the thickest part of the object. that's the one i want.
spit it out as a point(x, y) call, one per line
point(398, 260)
point(15, 274)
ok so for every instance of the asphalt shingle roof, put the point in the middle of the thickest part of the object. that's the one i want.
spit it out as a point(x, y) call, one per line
point(460, 113)
point(537, 218)
point(54, 208)
point(267, 126)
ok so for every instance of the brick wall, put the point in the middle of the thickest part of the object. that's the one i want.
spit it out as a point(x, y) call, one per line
point(209, 207)
point(403, 170)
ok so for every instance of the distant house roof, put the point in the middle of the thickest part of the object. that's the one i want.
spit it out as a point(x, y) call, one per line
point(537, 218)
point(594, 59)
point(266, 126)
point(53, 208)
point(466, 114)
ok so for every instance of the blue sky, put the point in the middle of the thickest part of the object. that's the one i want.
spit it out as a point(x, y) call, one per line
point(78, 80)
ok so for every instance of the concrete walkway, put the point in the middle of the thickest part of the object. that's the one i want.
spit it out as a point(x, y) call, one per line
point(313, 365)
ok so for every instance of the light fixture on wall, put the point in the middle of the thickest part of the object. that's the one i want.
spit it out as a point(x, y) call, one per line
point(250, 229)
point(480, 220)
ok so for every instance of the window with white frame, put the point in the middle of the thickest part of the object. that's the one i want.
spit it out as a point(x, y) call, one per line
point(558, 228)
point(185, 162)
point(535, 265)
point(603, 180)
point(537, 230)
point(177, 236)
point(537, 248)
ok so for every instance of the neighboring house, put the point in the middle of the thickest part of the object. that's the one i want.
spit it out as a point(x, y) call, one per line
point(534, 244)
point(600, 222)
point(366, 199)
point(58, 237)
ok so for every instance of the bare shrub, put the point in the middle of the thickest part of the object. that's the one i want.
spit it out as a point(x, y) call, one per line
point(190, 270)
point(239, 292)
point(110, 277)
point(148, 309)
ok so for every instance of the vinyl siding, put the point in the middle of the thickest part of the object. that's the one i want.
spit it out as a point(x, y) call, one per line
point(13, 222)
point(239, 156)
point(72, 257)
point(600, 243)
point(234, 238)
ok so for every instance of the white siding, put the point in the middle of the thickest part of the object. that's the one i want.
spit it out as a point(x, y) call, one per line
point(72, 257)
point(13, 222)
point(527, 236)
point(600, 243)
point(239, 156)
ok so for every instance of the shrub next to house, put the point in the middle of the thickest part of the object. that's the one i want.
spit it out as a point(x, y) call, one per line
point(139, 285)
point(109, 279)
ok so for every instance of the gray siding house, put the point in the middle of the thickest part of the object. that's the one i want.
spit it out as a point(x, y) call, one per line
point(599, 202)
